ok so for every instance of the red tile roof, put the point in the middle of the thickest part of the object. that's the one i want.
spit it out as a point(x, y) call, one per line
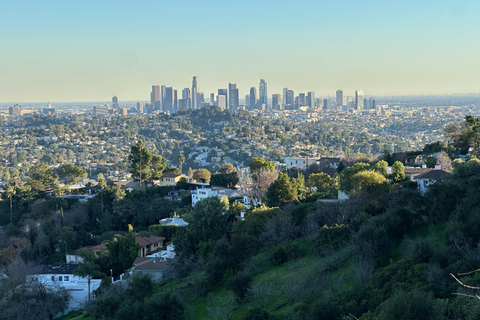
point(145, 241)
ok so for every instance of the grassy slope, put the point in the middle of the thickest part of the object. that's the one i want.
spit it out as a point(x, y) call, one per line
point(277, 286)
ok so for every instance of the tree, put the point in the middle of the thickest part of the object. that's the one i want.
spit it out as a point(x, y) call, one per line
point(172, 170)
point(181, 160)
point(71, 173)
point(101, 181)
point(398, 171)
point(202, 175)
point(365, 179)
point(430, 161)
point(88, 270)
point(42, 177)
point(381, 167)
point(444, 161)
point(10, 191)
point(158, 164)
point(140, 160)
point(320, 181)
point(281, 191)
point(347, 174)
point(227, 176)
point(121, 253)
point(257, 164)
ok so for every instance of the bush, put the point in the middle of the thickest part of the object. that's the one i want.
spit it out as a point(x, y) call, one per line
point(286, 251)
point(258, 314)
point(333, 237)
point(239, 285)
point(407, 306)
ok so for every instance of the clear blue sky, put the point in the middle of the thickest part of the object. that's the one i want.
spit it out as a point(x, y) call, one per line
point(72, 50)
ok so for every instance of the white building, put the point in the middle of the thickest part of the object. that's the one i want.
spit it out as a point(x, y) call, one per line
point(220, 192)
point(62, 275)
point(301, 163)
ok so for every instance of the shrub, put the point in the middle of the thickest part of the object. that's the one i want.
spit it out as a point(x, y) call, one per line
point(284, 252)
point(239, 285)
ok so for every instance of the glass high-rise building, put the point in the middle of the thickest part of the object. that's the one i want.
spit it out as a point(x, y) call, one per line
point(253, 98)
point(339, 101)
point(276, 101)
point(156, 98)
point(194, 93)
point(311, 99)
point(359, 100)
point(232, 96)
point(262, 93)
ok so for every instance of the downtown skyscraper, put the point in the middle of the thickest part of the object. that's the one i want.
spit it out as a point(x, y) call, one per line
point(339, 100)
point(262, 93)
point(194, 93)
point(359, 100)
point(232, 96)
point(155, 98)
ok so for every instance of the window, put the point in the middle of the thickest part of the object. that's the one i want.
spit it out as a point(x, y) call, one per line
point(66, 278)
point(60, 278)
point(53, 278)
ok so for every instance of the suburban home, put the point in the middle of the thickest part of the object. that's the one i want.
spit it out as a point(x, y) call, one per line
point(219, 192)
point(62, 275)
point(148, 245)
point(174, 221)
point(411, 172)
point(170, 179)
point(301, 163)
point(426, 179)
point(154, 266)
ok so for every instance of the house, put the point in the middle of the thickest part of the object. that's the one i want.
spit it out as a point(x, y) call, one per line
point(426, 179)
point(301, 163)
point(249, 202)
point(220, 192)
point(170, 179)
point(411, 172)
point(149, 245)
point(62, 275)
point(154, 266)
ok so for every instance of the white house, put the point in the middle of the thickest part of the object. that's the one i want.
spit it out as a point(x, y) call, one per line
point(62, 275)
point(220, 192)
point(426, 179)
point(300, 163)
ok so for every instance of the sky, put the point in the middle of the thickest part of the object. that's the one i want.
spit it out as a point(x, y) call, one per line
point(82, 50)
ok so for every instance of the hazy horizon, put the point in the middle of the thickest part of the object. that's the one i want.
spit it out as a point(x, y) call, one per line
point(85, 51)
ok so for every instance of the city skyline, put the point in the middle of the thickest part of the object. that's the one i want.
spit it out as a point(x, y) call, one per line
point(105, 49)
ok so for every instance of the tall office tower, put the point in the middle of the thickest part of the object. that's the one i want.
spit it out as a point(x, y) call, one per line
point(290, 97)
point(183, 104)
point(163, 91)
point(194, 93)
point(366, 104)
point(175, 101)
point(276, 101)
point(186, 93)
point(247, 101)
point(253, 98)
point(325, 104)
point(359, 100)
point(262, 93)
point(200, 99)
point(222, 101)
point(373, 104)
point(186, 96)
point(115, 102)
point(139, 107)
point(168, 102)
point(155, 98)
point(339, 101)
point(223, 92)
point(232, 96)
point(213, 99)
point(284, 99)
point(311, 99)
point(301, 99)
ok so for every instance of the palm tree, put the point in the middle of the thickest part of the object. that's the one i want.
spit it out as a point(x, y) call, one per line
point(181, 159)
point(10, 191)
point(88, 270)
